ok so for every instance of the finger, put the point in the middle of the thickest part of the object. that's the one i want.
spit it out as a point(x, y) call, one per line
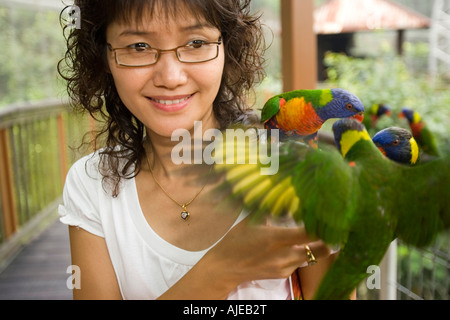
point(280, 234)
point(297, 254)
point(290, 236)
point(319, 249)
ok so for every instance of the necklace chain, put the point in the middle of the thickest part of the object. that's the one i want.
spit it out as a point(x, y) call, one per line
point(184, 214)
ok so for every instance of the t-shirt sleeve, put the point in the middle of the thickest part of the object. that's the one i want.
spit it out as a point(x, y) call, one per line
point(80, 206)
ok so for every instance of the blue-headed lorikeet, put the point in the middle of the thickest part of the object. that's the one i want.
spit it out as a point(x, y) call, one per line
point(352, 196)
point(301, 113)
point(424, 137)
point(397, 144)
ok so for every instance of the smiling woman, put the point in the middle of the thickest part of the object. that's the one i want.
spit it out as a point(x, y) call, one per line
point(90, 82)
point(151, 68)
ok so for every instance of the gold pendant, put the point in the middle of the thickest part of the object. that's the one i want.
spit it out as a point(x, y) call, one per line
point(185, 214)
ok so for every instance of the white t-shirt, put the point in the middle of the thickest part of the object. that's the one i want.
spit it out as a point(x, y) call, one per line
point(145, 264)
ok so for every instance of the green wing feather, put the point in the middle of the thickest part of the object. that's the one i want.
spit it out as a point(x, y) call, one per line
point(428, 142)
point(271, 108)
point(423, 201)
point(326, 185)
point(265, 194)
point(300, 189)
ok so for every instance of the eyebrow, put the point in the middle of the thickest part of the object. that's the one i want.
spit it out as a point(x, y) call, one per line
point(135, 32)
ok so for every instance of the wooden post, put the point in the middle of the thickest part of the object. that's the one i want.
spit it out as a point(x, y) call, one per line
point(62, 146)
point(400, 41)
point(299, 45)
point(6, 187)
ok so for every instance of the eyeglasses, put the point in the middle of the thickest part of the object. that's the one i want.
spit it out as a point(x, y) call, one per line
point(142, 55)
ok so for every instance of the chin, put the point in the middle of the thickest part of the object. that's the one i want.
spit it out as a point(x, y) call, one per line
point(166, 126)
point(167, 129)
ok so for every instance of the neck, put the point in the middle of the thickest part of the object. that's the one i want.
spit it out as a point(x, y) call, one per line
point(168, 158)
point(350, 138)
point(328, 111)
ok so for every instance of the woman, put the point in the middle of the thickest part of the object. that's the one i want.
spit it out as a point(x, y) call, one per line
point(139, 228)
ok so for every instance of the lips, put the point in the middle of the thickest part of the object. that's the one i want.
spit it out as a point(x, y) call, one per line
point(171, 103)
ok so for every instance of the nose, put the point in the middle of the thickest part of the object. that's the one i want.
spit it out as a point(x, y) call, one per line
point(168, 71)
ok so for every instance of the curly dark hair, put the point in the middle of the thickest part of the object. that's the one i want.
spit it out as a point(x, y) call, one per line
point(91, 87)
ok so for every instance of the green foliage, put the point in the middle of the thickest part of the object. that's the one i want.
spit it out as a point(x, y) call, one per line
point(269, 7)
point(425, 272)
point(388, 79)
point(32, 45)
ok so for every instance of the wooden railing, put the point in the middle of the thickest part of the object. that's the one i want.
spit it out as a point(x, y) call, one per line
point(37, 146)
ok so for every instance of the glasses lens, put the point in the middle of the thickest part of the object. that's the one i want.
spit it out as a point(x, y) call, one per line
point(198, 52)
point(136, 57)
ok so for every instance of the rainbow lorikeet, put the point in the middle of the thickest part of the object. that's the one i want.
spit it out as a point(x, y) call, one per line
point(301, 113)
point(397, 144)
point(352, 196)
point(374, 113)
point(424, 137)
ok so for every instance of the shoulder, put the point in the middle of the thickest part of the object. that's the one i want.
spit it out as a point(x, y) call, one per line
point(81, 196)
point(86, 167)
point(84, 176)
point(98, 168)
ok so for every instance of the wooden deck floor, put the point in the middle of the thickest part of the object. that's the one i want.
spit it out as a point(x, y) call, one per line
point(39, 270)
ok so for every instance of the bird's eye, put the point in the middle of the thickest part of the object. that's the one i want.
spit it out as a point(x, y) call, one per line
point(395, 142)
point(349, 106)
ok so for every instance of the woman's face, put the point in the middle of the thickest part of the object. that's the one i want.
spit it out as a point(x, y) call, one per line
point(169, 94)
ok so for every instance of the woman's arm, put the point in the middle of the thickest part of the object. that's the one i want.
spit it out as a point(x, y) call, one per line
point(90, 254)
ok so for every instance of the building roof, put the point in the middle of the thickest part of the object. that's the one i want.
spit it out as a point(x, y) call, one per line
point(342, 16)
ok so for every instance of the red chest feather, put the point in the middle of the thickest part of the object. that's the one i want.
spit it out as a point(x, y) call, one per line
point(298, 116)
point(416, 129)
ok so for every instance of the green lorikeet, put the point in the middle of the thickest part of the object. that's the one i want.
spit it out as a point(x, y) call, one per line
point(420, 131)
point(374, 113)
point(302, 113)
point(397, 144)
point(352, 196)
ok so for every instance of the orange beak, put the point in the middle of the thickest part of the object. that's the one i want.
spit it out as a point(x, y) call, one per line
point(382, 151)
point(358, 116)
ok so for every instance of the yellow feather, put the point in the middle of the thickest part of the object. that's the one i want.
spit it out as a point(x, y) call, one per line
point(350, 137)
point(325, 97)
point(414, 150)
point(416, 117)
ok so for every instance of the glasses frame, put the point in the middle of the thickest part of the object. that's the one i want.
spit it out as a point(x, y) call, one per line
point(160, 51)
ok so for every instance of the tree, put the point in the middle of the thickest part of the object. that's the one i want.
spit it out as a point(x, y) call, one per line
point(32, 45)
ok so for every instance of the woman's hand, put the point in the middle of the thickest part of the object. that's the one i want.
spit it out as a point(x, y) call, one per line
point(248, 252)
point(253, 252)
